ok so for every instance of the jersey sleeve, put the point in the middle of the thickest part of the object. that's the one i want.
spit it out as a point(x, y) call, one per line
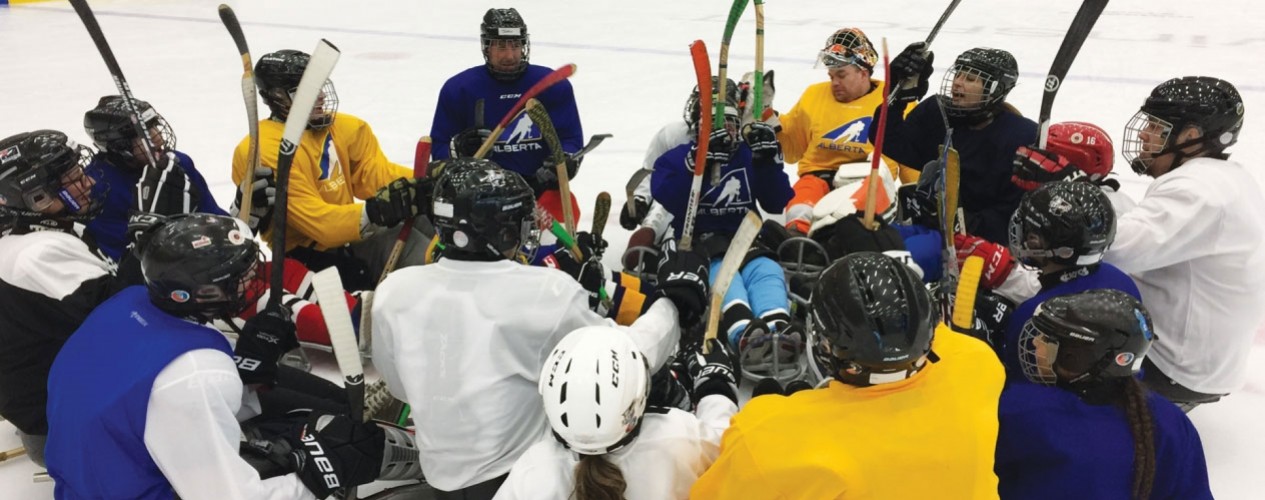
point(370, 168)
point(560, 101)
point(912, 138)
point(206, 200)
point(670, 182)
point(772, 187)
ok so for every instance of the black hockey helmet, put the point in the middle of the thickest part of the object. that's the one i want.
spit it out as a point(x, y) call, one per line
point(39, 168)
point(482, 211)
point(870, 321)
point(848, 46)
point(1086, 339)
point(1069, 223)
point(504, 24)
point(277, 74)
point(110, 126)
point(692, 115)
point(202, 266)
point(996, 69)
point(1210, 104)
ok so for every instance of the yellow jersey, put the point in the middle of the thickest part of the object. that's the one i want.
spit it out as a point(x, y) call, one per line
point(820, 133)
point(929, 436)
point(332, 168)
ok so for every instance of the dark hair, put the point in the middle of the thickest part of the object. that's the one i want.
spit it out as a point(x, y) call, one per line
point(598, 479)
point(1136, 411)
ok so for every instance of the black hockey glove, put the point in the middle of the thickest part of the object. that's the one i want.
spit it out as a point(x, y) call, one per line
point(1034, 167)
point(641, 207)
point(140, 227)
point(263, 340)
point(714, 372)
point(683, 279)
point(589, 272)
point(992, 315)
point(547, 174)
point(911, 70)
point(333, 452)
point(166, 190)
point(720, 144)
point(263, 196)
point(849, 235)
point(762, 140)
point(403, 198)
point(467, 142)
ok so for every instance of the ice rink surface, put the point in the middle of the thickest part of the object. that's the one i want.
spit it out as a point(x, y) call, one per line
point(634, 75)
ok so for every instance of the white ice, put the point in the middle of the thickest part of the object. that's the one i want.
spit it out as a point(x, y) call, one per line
point(634, 75)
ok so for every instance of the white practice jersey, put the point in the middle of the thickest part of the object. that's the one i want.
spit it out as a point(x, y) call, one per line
point(464, 342)
point(670, 136)
point(671, 452)
point(192, 431)
point(1195, 245)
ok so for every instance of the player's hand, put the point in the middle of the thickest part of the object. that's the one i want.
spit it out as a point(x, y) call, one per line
point(467, 142)
point(720, 144)
point(714, 372)
point(1034, 167)
point(333, 452)
point(746, 96)
point(998, 262)
point(641, 207)
point(762, 140)
point(263, 196)
point(547, 174)
point(264, 339)
point(911, 70)
point(166, 190)
point(402, 199)
point(683, 279)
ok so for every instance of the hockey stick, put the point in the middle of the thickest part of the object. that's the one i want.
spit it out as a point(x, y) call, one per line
point(342, 337)
point(558, 75)
point(252, 108)
point(703, 73)
point(540, 116)
point(735, 13)
point(630, 189)
point(319, 67)
point(757, 101)
point(964, 303)
point(14, 453)
point(421, 158)
point(910, 83)
point(1076, 34)
point(143, 196)
point(734, 255)
point(601, 212)
point(871, 194)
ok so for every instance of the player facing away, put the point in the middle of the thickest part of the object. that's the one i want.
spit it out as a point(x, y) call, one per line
point(479, 306)
point(338, 162)
point(458, 129)
point(606, 442)
point(986, 130)
point(119, 162)
point(1195, 244)
point(51, 277)
point(899, 389)
point(1086, 427)
point(145, 398)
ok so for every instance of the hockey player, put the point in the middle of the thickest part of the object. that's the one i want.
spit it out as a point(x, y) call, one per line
point(498, 83)
point(1087, 428)
point(120, 161)
point(829, 125)
point(144, 370)
point(750, 172)
point(1195, 244)
point(50, 276)
point(478, 302)
point(900, 390)
point(606, 443)
point(338, 161)
point(986, 130)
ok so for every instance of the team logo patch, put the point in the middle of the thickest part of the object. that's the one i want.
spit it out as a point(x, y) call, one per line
point(853, 131)
point(9, 154)
point(1124, 359)
point(179, 296)
point(202, 241)
point(733, 192)
point(524, 130)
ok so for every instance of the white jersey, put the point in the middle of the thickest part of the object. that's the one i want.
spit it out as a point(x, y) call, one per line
point(191, 431)
point(670, 136)
point(1195, 245)
point(671, 452)
point(464, 342)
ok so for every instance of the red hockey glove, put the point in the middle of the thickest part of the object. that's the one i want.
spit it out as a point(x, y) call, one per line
point(1034, 167)
point(997, 260)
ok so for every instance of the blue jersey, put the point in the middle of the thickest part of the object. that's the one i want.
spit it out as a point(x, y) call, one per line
point(1084, 279)
point(987, 155)
point(109, 228)
point(1051, 444)
point(98, 397)
point(722, 205)
point(520, 147)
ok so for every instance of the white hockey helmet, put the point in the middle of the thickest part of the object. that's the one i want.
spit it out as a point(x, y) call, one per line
point(595, 385)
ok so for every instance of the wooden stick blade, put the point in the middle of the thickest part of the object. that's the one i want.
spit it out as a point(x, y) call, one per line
point(734, 255)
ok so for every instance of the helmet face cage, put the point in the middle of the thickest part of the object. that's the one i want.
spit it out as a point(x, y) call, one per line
point(847, 46)
point(110, 126)
point(38, 168)
point(1037, 354)
point(325, 108)
point(732, 117)
point(1145, 137)
point(977, 91)
point(505, 26)
point(1100, 335)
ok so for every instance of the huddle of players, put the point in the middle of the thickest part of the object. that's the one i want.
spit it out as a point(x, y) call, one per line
point(872, 333)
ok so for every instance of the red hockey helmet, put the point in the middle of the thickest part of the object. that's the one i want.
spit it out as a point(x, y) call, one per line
point(1083, 144)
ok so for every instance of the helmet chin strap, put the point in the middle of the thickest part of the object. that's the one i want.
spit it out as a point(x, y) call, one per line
point(1178, 151)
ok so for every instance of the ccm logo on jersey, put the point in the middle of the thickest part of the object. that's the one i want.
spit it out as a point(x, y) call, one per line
point(322, 462)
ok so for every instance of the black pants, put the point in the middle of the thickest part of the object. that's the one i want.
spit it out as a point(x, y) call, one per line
point(1180, 395)
point(482, 491)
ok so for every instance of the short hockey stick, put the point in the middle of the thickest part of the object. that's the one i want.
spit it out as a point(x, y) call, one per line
point(734, 255)
point(252, 108)
point(964, 303)
point(556, 76)
point(594, 141)
point(342, 337)
point(630, 189)
point(757, 101)
point(540, 116)
point(601, 212)
point(319, 67)
point(1076, 34)
point(910, 83)
point(145, 200)
point(703, 73)
point(871, 194)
